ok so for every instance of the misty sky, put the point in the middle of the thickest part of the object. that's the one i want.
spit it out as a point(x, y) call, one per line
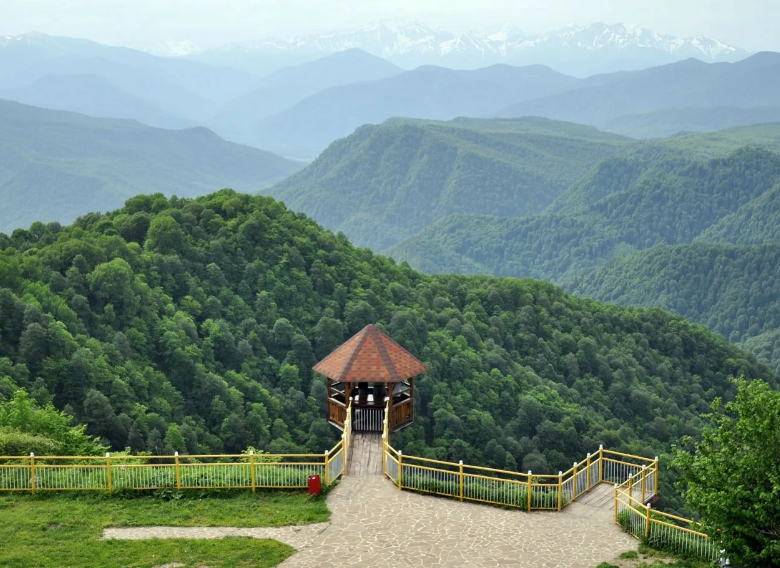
point(751, 24)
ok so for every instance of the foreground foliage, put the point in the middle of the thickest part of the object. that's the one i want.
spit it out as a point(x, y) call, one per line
point(192, 326)
point(63, 531)
point(732, 479)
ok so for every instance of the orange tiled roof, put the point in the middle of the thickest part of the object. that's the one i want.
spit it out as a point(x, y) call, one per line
point(370, 356)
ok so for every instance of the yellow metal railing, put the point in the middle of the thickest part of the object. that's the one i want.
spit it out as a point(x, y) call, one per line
point(219, 471)
point(528, 491)
point(660, 530)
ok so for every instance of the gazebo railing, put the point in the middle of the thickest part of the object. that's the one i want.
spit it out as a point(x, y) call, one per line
point(367, 419)
point(337, 459)
point(402, 413)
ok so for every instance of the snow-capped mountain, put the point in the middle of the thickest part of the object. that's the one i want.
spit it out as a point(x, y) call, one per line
point(165, 48)
point(580, 50)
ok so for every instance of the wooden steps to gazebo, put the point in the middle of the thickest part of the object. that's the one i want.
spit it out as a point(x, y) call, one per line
point(367, 369)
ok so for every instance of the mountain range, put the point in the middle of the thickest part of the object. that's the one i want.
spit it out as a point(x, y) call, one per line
point(298, 110)
point(57, 165)
point(577, 50)
point(384, 183)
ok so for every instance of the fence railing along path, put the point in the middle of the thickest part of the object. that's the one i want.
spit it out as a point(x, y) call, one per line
point(635, 479)
point(658, 529)
point(224, 471)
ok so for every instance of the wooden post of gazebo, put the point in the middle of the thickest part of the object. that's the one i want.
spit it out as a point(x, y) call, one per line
point(367, 369)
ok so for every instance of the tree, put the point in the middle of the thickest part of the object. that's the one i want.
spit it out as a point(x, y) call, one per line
point(732, 478)
point(164, 235)
point(22, 415)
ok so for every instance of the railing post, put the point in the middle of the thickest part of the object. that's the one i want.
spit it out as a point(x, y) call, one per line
point(616, 503)
point(460, 471)
point(560, 490)
point(575, 483)
point(344, 449)
point(178, 473)
point(400, 468)
point(530, 489)
point(327, 479)
point(252, 470)
point(655, 479)
point(32, 472)
point(108, 472)
point(601, 463)
point(587, 474)
point(644, 483)
point(630, 490)
point(384, 450)
point(647, 523)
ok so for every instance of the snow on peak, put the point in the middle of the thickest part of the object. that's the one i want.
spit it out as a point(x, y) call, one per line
point(388, 38)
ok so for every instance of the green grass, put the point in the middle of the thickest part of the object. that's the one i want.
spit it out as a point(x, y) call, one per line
point(62, 531)
point(649, 557)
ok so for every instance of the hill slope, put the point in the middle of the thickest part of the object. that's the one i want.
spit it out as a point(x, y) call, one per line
point(290, 85)
point(435, 93)
point(386, 182)
point(670, 200)
point(753, 82)
point(670, 121)
point(192, 325)
point(93, 96)
point(55, 165)
point(23, 59)
point(734, 290)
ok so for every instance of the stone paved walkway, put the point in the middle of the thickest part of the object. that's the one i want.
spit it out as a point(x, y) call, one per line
point(297, 537)
point(374, 524)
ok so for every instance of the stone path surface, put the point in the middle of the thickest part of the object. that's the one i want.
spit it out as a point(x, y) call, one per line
point(374, 524)
point(297, 537)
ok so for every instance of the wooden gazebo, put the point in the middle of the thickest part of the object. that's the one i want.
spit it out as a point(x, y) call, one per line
point(366, 370)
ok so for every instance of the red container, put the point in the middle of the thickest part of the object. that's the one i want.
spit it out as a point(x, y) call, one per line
point(315, 485)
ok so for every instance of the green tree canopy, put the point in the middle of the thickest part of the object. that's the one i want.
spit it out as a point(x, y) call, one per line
point(732, 478)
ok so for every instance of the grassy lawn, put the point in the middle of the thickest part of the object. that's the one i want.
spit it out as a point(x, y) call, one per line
point(63, 530)
point(648, 557)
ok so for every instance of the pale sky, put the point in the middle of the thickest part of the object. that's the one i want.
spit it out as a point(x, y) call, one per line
point(751, 24)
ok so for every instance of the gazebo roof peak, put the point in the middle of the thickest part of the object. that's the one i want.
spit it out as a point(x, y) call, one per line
point(370, 356)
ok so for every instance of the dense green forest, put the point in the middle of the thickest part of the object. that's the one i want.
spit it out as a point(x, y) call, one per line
point(624, 204)
point(192, 325)
point(734, 290)
point(387, 182)
point(591, 240)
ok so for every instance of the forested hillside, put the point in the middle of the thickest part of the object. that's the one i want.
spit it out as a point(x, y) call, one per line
point(623, 205)
point(384, 183)
point(57, 165)
point(591, 240)
point(192, 325)
point(734, 290)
